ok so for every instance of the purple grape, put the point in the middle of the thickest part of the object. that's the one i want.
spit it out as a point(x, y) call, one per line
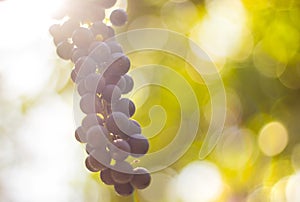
point(91, 164)
point(95, 83)
point(141, 178)
point(82, 37)
point(102, 157)
point(114, 47)
point(116, 80)
point(80, 135)
point(117, 122)
point(85, 65)
point(129, 84)
point(121, 84)
point(100, 52)
point(99, 28)
point(91, 120)
point(64, 50)
point(90, 103)
point(109, 34)
point(59, 39)
point(78, 53)
point(125, 106)
point(97, 136)
point(106, 178)
point(111, 93)
point(97, 161)
point(81, 88)
point(68, 27)
point(55, 30)
point(89, 148)
point(119, 66)
point(133, 128)
point(119, 149)
point(74, 76)
point(124, 189)
point(112, 79)
point(118, 17)
point(139, 145)
point(121, 172)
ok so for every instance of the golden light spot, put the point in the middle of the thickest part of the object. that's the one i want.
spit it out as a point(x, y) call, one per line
point(273, 138)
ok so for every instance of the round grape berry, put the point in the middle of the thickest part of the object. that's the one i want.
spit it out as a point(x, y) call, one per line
point(141, 178)
point(78, 53)
point(93, 165)
point(111, 93)
point(117, 122)
point(124, 105)
point(68, 27)
point(81, 88)
point(90, 103)
point(99, 28)
point(119, 66)
point(114, 47)
point(102, 157)
point(95, 83)
point(129, 84)
point(119, 149)
point(122, 172)
point(118, 17)
point(133, 128)
point(91, 120)
point(55, 30)
point(80, 135)
point(106, 178)
point(82, 37)
point(100, 52)
point(89, 148)
point(84, 66)
point(97, 136)
point(139, 145)
point(124, 189)
point(64, 50)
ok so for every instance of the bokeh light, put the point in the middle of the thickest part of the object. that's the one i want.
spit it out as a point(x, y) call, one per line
point(199, 181)
point(293, 188)
point(273, 138)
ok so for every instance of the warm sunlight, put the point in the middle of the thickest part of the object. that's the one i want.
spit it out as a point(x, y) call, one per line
point(23, 21)
point(24, 34)
point(149, 100)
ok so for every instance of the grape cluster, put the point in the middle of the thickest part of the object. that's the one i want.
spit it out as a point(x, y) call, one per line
point(100, 73)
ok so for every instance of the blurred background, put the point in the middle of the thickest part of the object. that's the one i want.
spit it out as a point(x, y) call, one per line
point(255, 47)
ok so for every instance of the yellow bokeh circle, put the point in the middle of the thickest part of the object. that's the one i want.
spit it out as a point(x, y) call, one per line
point(273, 138)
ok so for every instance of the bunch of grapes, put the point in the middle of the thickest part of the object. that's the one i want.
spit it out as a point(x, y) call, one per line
point(100, 73)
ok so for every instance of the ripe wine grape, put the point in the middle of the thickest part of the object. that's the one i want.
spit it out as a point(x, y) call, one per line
point(100, 72)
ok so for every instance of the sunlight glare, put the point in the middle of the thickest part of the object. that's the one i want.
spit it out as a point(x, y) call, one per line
point(26, 45)
point(25, 21)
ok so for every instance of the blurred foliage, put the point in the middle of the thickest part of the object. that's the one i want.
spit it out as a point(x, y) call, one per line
point(261, 88)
